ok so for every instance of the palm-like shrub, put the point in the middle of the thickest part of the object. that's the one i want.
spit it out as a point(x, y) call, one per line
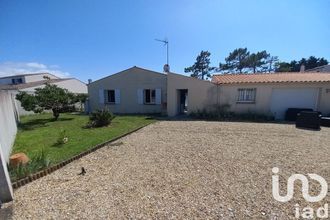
point(100, 118)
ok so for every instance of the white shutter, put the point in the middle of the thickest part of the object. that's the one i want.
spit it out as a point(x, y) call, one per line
point(158, 96)
point(117, 96)
point(140, 96)
point(101, 96)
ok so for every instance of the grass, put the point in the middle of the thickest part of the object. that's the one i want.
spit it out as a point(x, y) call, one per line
point(40, 131)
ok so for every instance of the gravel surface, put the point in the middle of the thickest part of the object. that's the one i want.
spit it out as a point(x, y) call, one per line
point(182, 170)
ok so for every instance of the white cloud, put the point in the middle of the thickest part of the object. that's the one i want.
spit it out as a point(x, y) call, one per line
point(16, 68)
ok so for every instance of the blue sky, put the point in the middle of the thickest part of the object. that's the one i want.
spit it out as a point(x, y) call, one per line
point(92, 39)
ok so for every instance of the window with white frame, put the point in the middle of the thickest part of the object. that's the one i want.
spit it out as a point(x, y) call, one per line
point(110, 96)
point(149, 96)
point(246, 95)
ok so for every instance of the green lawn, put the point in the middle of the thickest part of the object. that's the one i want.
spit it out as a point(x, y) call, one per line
point(38, 132)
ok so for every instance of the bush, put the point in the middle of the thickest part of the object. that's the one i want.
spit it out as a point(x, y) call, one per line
point(100, 118)
point(62, 138)
point(223, 113)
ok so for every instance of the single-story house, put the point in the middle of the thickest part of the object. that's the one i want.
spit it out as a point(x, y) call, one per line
point(138, 90)
point(274, 93)
point(29, 82)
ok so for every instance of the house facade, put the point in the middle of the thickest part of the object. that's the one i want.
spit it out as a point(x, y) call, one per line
point(131, 91)
point(29, 82)
point(138, 90)
point(25, 78)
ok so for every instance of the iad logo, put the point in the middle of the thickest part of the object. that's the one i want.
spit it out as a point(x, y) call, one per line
point(305, 184)
point(308, 212)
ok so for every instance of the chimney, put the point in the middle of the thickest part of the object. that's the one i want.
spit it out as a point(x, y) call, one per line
point(89, 81)
point(302, 68)
point(166, 68)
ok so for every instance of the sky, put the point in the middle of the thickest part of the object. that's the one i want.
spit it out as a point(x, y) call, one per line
point(92, 39)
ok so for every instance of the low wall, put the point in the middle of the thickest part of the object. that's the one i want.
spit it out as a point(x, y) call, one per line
point(8, 129)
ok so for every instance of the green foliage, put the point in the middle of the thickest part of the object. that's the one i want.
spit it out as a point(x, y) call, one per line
point(39, 131)
point(100, 118)
point(28, 102)
point(50, 97)
point(38, 162)
point(236, 61)
point(81, 98)
point(201, 67)
point(257, 61)
point(294, 66)
point(223, 113)
point(242, 61)
point(62, 138)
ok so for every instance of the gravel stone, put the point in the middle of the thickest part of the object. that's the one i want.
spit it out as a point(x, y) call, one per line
point(182, 170)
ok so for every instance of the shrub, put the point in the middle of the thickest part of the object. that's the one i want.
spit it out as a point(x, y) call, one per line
point(223, 113)
point(100, 118)
point(62, 138)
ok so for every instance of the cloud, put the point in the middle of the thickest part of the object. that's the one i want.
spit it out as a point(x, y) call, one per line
point(16, 68)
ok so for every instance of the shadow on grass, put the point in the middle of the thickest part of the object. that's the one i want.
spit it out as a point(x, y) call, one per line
point(38, 123)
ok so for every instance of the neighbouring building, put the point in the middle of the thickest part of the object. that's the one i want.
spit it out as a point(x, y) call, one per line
point(137, 90)
point(29, 82)
point(321, 69)
point(274, 93)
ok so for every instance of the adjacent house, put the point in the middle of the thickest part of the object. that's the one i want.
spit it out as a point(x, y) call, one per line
point(29, 82)
point(321, 69)
point(274, 93)
point(137, 90)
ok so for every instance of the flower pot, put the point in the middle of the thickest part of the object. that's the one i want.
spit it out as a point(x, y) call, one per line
point(19, 158)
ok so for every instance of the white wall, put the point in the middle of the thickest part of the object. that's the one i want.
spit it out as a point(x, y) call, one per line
point(8, 129)
point(129, 82)
point(8, 117)
point(38, 77)
point(201, 93)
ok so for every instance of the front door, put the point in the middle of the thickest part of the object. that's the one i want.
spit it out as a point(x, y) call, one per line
point(183, 101)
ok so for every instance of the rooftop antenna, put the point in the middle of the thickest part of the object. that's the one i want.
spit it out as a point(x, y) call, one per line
point(165, 41)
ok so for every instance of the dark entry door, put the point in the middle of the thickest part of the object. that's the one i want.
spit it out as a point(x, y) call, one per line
point(183, 101)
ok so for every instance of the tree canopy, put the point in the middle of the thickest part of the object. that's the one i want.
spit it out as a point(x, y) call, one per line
point(50, 97)
point(294, 66)
point(241, 60)
point(201, 67)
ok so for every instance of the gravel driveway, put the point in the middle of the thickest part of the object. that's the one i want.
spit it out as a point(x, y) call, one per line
point(182, 170)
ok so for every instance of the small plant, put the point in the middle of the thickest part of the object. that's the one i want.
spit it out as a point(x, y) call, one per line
point(223, 113)
point(38, 162)
point(100, 118)
point(63, 138)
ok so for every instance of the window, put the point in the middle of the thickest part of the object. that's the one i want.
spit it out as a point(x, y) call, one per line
point(149, 96)
point(110, 96)
point(246, 95)
point(17, 81)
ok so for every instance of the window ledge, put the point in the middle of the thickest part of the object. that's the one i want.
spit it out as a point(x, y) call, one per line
point(245, 102)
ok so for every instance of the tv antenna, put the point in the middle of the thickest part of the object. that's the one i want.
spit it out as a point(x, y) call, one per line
point(165, 41)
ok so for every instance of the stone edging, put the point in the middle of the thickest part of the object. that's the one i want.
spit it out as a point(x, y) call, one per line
point(55, 167)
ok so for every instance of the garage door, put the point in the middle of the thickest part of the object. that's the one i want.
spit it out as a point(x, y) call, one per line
point(282, 99)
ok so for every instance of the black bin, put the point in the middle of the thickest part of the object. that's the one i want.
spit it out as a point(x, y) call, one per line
point(325, 121)
point(291, 113)
point(308, 119)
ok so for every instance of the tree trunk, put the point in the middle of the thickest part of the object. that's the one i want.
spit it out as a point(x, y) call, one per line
point(56, 113)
